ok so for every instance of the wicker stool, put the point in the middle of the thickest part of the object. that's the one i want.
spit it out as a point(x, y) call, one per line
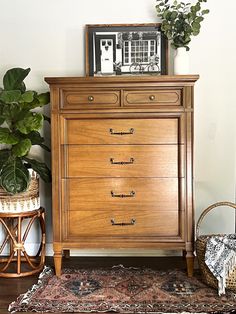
point(14, 236)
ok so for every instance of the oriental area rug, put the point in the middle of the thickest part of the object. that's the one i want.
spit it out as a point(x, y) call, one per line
point(122, 290)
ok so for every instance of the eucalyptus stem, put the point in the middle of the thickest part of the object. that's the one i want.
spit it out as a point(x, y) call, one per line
point(180, 20)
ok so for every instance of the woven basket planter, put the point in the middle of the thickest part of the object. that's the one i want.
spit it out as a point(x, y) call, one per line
point(201, 243)
point(21, 202)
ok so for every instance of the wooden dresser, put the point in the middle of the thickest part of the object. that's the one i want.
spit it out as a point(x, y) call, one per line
point(122, 158)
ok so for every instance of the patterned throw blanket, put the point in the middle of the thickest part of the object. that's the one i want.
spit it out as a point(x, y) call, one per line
point(220, 257)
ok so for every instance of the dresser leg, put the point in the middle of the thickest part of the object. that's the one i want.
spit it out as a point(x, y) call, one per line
point(57, 262)
point(190, 263)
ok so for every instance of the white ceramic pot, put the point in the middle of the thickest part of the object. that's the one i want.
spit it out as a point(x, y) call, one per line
point(181, 61)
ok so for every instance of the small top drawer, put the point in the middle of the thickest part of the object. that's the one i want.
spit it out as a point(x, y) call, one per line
point(86, 99)
point(152, 97)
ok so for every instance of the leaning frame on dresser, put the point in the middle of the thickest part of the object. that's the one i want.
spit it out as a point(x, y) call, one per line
point(122, 163)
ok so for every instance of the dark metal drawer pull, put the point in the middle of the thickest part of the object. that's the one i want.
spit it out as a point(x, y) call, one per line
point(131, 194)
point(131, 131)
point(131, 223)
point(152, 97)
point(131, 161)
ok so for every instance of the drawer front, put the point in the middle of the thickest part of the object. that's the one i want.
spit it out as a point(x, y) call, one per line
point(89, 99)
point(120, 223)
point(120, 131)
point(153, 97)
point(153, 194)
point(121, 161)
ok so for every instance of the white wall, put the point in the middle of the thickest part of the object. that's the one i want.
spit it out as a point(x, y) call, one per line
point(48, 36)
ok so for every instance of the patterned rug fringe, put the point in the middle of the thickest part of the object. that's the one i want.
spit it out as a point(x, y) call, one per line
point(26, 296)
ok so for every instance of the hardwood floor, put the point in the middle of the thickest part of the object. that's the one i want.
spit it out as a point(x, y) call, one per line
point(11, 288)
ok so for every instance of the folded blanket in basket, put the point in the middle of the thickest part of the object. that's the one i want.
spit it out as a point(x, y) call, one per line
point(220, 257)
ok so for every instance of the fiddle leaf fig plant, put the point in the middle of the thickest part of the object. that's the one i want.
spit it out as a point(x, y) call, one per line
point(180, 20)
point(20, 129)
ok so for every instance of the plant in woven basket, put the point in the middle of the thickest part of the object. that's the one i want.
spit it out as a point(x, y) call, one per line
point(180, 20)
point(20, 127)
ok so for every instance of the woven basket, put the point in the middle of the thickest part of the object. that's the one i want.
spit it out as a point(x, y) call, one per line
point(201, 242)
point(21, 202)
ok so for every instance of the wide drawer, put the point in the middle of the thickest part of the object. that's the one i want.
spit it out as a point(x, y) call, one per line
point(153, 194)
point(121, 161)
point(85, 99)
point(120, 131)
point(120, 223)
point(153, 97)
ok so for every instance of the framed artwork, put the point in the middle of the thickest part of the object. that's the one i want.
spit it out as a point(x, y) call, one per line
point(126, 49)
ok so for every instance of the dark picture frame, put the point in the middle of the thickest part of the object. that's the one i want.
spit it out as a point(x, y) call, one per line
point(126, 49)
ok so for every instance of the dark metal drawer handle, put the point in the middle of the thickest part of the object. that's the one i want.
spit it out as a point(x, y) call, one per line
point(151, 97)
point(131, 161)
point(90, 98)
point(131, 223)
point(131, 131)
point(131, 194)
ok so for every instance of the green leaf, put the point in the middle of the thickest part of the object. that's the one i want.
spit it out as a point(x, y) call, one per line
point(22, 148)
point(13, 79)
point(4, 155)
point(193, 9)
point(32, 122)
point(196, 32)
point(6, 137)
point(47, 119)
point(196, 26)
point(198, 7)
point(32, 105)
point(10, 97)
point(40, 168)
point(2, 120)
point(205, 11)
point(174, 14)
point(35, 138)
point(45, 147)
point(43, 99)
point(11, 113)
point(27, 97)
point(199, 19)
point(14, 176)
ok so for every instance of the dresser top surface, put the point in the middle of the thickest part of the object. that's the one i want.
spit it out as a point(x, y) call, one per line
point(123, 79)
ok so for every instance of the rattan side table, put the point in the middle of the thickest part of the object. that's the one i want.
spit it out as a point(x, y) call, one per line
point(17, 227)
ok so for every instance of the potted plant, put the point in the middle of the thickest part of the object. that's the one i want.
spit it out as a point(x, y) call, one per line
point(180, 21)
point(20, 127)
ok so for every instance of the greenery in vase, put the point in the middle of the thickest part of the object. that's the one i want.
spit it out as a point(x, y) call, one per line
point(19, 130)
point(180, 20)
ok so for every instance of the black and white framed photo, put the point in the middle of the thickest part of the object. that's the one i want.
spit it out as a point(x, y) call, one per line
point(126, 49)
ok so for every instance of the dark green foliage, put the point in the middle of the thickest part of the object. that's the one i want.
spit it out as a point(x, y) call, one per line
point(180, 21)
point(19, 129)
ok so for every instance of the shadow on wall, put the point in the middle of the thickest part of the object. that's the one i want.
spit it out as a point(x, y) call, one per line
point(220, 220)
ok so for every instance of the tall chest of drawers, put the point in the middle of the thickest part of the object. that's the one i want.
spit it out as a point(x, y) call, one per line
point(122, 163)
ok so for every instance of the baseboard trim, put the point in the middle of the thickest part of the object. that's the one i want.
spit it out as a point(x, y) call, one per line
point(32, 248)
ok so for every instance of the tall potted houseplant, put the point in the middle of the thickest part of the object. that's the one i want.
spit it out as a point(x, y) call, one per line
point(181, 21)
point(20, 127)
